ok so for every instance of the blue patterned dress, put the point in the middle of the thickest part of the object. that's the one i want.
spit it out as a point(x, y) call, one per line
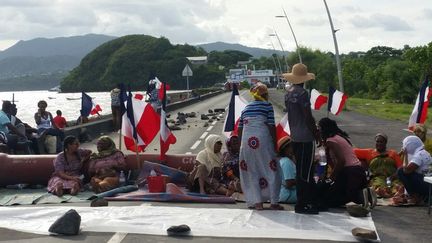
point(259, 169)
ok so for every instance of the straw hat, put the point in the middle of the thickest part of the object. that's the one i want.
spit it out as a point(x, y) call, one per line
point(283, 142)
point(299, 74)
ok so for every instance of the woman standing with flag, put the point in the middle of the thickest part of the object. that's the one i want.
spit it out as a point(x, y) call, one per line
point(259, 170)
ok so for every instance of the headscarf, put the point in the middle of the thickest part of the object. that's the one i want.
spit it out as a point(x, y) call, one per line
point(207, 156)
point(412, 145)
point(109, 150)
point(258, 91)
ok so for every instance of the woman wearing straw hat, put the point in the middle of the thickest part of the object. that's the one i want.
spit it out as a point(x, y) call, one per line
point(303, 133)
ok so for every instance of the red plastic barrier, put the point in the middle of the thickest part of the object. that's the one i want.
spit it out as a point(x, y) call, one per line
point(37, 169)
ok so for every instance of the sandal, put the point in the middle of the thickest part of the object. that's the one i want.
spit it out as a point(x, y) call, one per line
point(276, 207)
point(259, 206)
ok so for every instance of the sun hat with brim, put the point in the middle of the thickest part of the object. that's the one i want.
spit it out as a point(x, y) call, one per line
point(283, 142)
point(299, 74)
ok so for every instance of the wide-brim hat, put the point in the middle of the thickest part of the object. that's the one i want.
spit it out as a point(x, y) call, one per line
point(299, 74)
point(283, 142)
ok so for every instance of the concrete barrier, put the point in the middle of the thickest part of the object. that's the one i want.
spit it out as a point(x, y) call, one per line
point(99, 127)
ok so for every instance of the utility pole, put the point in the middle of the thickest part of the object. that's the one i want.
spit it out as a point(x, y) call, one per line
point(338, 63)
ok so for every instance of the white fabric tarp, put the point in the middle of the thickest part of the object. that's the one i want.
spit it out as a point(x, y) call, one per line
point(210, 222)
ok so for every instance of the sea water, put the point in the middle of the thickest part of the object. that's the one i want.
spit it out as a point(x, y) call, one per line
point(68, 103)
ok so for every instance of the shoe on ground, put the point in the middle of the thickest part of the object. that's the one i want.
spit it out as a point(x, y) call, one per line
point(363, 234)
point(179, 230)
point(306, 210)
point(99, 202)
point(357, 211)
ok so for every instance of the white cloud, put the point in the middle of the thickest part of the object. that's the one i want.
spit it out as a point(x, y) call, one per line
point(362, 24)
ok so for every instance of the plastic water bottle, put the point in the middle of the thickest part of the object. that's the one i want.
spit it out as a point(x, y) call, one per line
point(388, 182)
point(153, 173)
point(323, 158)
point(320, 169)
point(122, 179)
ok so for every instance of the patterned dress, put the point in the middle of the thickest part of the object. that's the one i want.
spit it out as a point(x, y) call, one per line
point(72, 168)
point(259, 169)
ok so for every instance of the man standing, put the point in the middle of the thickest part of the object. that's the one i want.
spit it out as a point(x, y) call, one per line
point(303, 133)
point(115, 108)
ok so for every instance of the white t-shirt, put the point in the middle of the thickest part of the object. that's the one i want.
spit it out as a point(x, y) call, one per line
point(423, 159)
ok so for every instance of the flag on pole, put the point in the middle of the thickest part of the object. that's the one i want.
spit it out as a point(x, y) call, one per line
point(166, 136)
point(140, 123)
point(236, 106)
point(88, 107)
point(317, 99)
point(419, 113)
point(282, 128)
point(336, 101)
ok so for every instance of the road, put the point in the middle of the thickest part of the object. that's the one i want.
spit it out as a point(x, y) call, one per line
point(406, 224)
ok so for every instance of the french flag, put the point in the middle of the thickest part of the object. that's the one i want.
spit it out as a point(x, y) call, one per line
point(88, 107)
point(166, 136)
point(419, 113)
point(140, 123)
point(282, 128)
point(235, 108)
point(317, 99)
point(336, 101)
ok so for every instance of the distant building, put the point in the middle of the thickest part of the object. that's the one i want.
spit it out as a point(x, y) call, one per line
point(238, 75)
point(197, 60)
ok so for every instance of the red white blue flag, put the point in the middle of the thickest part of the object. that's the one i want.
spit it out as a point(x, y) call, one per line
point(235, 108)
point(282, 128)
point(166, 136)
point(336, 101)
point(140, 123)
point(317, 99)
point(88, 107)
point(419, 113)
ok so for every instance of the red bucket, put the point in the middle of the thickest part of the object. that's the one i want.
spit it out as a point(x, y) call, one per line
point(157, 183)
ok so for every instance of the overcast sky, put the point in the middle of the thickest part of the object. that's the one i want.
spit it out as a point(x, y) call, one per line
point(362, 23)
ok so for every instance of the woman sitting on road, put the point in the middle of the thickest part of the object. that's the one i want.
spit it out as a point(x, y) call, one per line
point(205, 177)
point(382, 163)
point(348, 176)
point(105, 165)
point(411, 175)
point(230, 169)
point(67, 168)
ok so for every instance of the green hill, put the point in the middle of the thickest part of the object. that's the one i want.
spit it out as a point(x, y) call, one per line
point(133, 59)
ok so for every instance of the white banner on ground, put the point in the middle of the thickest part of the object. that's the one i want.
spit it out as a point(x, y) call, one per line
point(210, 222)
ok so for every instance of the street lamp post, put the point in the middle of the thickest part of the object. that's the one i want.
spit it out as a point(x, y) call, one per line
point(292, 32)
point(338, 63)
point(274, 62)
point(283, 51)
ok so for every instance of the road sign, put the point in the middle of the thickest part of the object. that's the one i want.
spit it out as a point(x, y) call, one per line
point(187, 71)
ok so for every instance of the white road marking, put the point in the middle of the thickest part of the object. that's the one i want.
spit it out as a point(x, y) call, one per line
point(117, 237)
point(195, 145)
point(214, 123)
point(188, 153)
point(209, 128)
point(203, 135)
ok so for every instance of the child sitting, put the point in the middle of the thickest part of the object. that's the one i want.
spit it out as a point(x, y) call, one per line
point(288, 193)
